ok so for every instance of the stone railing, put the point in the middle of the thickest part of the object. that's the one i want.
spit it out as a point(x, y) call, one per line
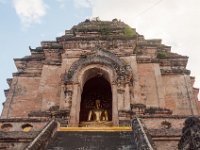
point(42, 138)
point(142, 141)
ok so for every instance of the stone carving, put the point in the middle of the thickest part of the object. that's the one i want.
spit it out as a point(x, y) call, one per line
point(68, 93)
point(54, 108)
point(22, 67)
point(166, 125)
point(35, 49)
point(157, 111)
point(138, 108)
point(141, 109)
point(68, 96)
point(190, 139)
point(124, 73)
point(120, 91)
point(125, 116)
point(50, 114)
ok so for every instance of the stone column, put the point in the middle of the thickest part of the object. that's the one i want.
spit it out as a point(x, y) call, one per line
point(66, 97)
point(126, 97)
point(136, 85)
point(159, 86)
point(75, 108)
point(115, 117)
point(63, 103)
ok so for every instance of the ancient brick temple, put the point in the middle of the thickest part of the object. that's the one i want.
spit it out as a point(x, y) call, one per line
point(98, 76)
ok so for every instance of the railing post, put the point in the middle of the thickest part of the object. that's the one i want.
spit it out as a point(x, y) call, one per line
point(142, 141)
point(41, 139)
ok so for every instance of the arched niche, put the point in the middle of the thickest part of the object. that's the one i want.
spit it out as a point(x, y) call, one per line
point(27, 127)
point(96, 88)
point(86, 74)
point(100, 63)
point(6, 127)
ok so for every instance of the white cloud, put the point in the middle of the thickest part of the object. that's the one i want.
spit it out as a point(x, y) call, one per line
point(30, 11)
point(83, 3)
point(174, 21)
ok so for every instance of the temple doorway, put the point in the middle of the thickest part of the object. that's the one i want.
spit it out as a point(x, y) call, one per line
point(96, 89)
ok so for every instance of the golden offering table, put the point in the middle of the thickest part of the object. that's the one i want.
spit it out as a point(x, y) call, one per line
point(96, 124)
point(100, 129)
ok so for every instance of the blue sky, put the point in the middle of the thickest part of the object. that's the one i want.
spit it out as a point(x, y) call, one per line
point(16, 35)
point(28, 22)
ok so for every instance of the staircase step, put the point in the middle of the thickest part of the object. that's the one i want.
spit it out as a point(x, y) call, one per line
point(95, 140)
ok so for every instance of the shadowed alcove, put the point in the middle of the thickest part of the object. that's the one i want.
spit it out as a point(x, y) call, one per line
point(96, 88)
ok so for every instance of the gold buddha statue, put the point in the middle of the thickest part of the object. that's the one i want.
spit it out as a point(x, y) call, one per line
point(98, 114)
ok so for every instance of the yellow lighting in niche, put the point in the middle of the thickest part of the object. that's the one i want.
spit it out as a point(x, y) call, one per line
point(27, 129)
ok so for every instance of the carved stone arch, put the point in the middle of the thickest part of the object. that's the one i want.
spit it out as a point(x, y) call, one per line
point(82, 63)
point(101, 57)
point(83, 75)
point(113, 69)
point(102, 52)
point(93, 70)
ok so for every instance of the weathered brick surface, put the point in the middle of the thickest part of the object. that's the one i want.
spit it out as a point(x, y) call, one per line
point(151, 85)
point(17, 123)
point(166, 145)
point(22, 97)
point(179, 95)
point(156, 123)
point(14, 138)
point(50, 87)
point(139, 72)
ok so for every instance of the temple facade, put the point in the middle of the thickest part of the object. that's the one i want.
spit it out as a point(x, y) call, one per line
point(99, 74)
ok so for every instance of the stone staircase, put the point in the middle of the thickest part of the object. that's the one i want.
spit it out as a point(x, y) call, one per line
point(53, 137)
point(91, 139)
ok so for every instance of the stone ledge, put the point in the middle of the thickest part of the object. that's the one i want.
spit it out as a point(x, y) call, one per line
point(55, 63)
point(24, 120)
point(166, 116)
point(18, 135)
point(165, 132)
point(53, 113)
point(109, 38)
point(174, 71)
point(27, 74)
point(141, 60)
point(30, 58)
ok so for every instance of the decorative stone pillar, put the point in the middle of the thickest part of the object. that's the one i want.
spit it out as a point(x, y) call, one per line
point(75, 108)
point(115, 117)
point(66, 97)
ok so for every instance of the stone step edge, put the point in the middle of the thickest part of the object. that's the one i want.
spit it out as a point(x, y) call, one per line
point(93, 129)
